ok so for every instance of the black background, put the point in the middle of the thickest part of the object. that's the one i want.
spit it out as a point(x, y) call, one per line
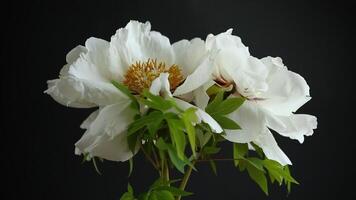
point(315, 39)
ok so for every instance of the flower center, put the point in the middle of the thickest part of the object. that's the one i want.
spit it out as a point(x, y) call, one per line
point(140, 75)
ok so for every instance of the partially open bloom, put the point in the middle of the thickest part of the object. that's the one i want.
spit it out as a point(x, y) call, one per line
point(140, 59)
point(272, 93)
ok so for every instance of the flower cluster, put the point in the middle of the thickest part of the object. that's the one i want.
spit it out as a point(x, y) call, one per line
point(157, 97)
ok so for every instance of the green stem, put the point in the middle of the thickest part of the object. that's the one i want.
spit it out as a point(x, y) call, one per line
point(217, 159)
point(166, 171)
point(148, 157)
point(185, 179)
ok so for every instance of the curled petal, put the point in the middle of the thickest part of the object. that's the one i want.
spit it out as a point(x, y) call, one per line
point(234, 63)
point(74, 92)
point(295, 126)
point(287, 91)
point(270, 147)
point(86, 80)
point(136, 42)
point(201, 98)
point(250, 119)
point(106, 136)
point(161, 85)
point(200, 76)
point(189, 54)
point(86, 123)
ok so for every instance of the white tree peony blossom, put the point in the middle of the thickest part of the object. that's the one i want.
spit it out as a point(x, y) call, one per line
point(272, 93)
point(140, 59)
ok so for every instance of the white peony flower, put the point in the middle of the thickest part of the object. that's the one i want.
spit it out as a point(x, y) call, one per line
point(272, 92)
point(139, 58)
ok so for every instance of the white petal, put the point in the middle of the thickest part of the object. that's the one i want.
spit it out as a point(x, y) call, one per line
point(114, 149)
point(232, 52)
point(202, 116)
point(287, 90)
point(189, 54)
point(234, 63)
point(251, 120)
point(295, 126)
point(67, 91)
point(200, 76)
point(271, 149)
point(136, 42)
point(75, 53)
point(86, 123)
point(74, 92)
point(201, 98)
point(96, 64)
point(106, 135)
point(86, 80)
point(161, 85)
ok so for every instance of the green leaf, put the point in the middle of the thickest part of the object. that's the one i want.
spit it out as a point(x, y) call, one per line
point(240, 150)
point(175, 191)
point(153, 196)
point(126, 91)
point(176, 161)
point(258, 150)
point(211, 107)
point(146, 120)
point(178, 136)
point(211, 150)
point(129, 195)
point(229, 105)
point(214, 89)
point(155, 101)
point(130, 166)
point(213, 167)
point(203, 137)
point(289, 184)
point(256, 162)
point(162, 195)
point(132, 141)
point(225, 122)
point(161, 144)
point(278, 171)
point(259, 177)
point(173, 156)
point(129, 188)
point(143, 196)
point(188, 118)
point(170, 115)
point(242, 165)
point(155, 125)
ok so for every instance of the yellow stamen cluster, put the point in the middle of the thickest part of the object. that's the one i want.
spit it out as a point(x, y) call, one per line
point(140, 75)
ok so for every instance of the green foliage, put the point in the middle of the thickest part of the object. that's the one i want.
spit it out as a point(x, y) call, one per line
point(239, 152)
point(177, 136)
point(163, 130)
point(213, 167)
point(126, 91)
point(258, 176)
point(129, 195)
point(259, 168)
point(225, 122)
point(159, 190)
point(219, 107)
point(155, 102)
point(188, 118)
point(149, 121)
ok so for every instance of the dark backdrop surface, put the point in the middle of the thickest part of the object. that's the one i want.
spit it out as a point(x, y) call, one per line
point(315, 39)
